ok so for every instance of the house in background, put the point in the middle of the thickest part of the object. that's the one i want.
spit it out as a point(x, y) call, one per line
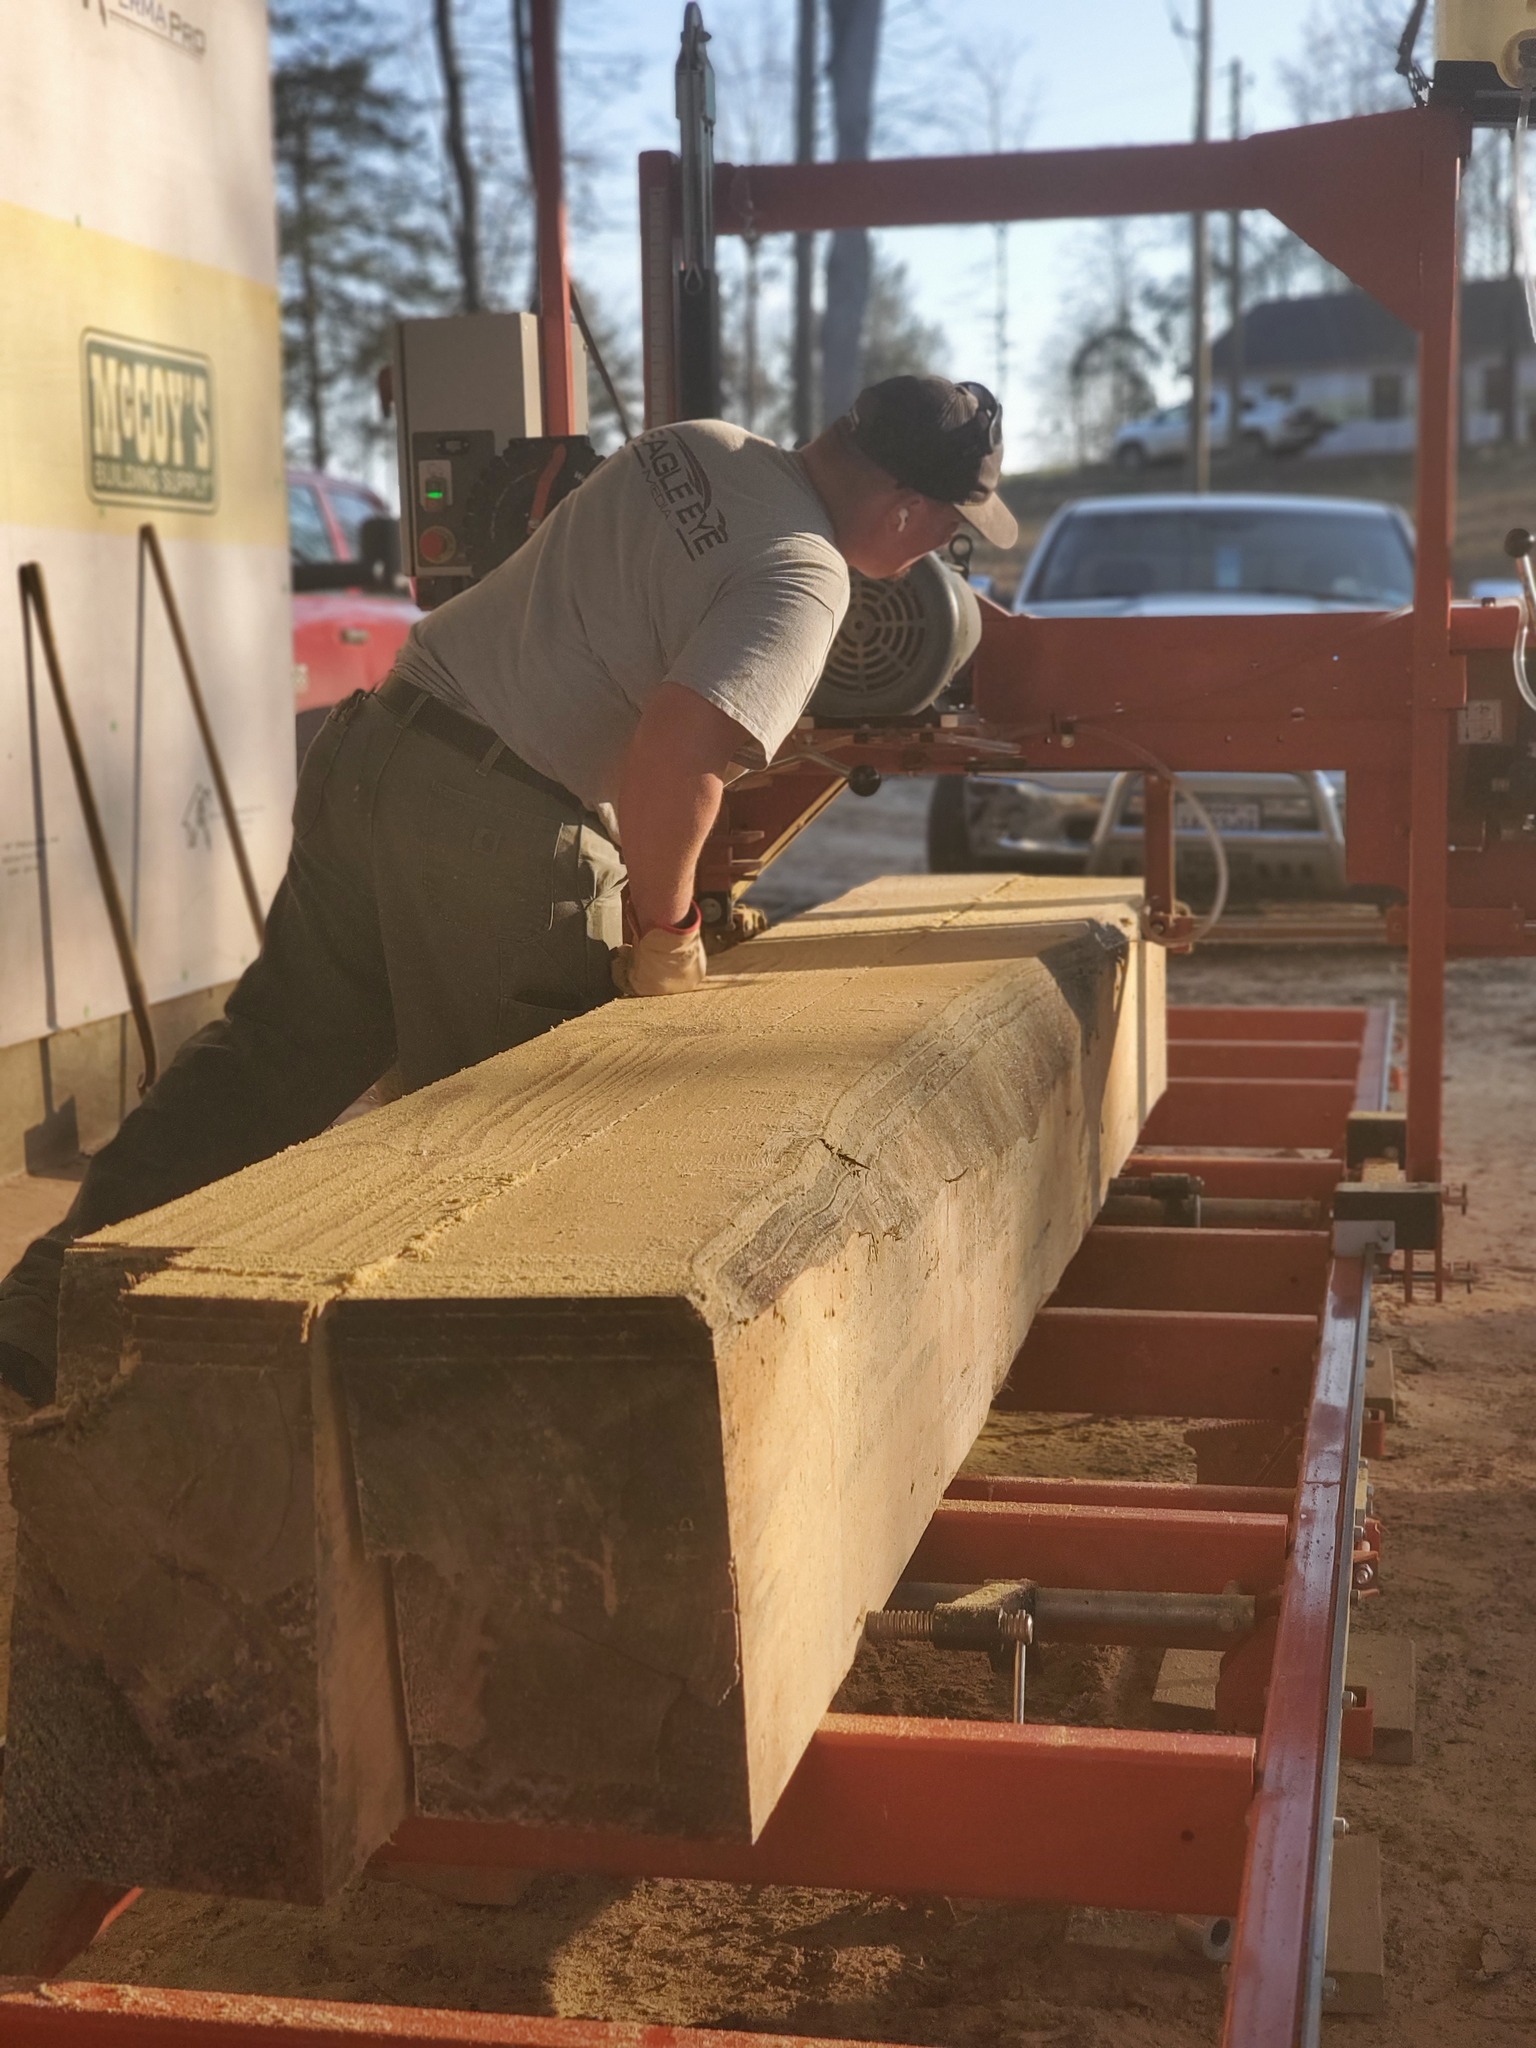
point(1356, 364)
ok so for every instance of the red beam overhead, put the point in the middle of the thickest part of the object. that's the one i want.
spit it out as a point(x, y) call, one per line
point(1351, 189)
point(1035, 739)
point(1322, 669)
point(1112, 1549)
point(1117, 1361)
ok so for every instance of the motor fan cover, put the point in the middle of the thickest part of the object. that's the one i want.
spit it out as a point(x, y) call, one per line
point(904, 639)
point(501, 502)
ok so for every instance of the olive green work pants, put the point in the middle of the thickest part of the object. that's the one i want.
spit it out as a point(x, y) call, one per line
point(433, 913)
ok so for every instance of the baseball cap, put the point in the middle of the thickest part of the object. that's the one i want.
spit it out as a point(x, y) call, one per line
point(943, 439)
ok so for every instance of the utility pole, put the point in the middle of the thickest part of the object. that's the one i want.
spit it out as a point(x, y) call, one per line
point(1235, 363)
point(1199, 340)
point(805, 245)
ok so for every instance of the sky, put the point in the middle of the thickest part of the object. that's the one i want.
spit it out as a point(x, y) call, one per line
point(1040, 74)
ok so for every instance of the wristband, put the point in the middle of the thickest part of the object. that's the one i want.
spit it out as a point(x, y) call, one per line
point(689, 924)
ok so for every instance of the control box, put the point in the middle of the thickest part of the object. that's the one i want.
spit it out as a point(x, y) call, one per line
point(466, 392)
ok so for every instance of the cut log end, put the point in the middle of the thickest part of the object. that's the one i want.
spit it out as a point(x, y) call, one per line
point(539, 1441)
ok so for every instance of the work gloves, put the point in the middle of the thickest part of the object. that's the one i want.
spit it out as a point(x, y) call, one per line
point(667, 961)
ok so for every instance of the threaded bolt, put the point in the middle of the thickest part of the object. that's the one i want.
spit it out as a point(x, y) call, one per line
point(915, 1625)
point(898, 1625)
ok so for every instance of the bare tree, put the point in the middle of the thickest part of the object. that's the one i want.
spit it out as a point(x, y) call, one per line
point(1350, 61)
point(456, 141)
point(898, 342)
point(1107, 348)
point(358, 246)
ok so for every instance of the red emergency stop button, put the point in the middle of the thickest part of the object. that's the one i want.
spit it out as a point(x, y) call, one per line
point(437, 544)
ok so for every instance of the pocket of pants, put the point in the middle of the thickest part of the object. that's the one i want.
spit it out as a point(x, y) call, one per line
point(309, 798)
point(489, 858)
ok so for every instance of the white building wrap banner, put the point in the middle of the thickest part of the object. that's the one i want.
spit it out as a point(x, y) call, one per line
point(140, 380)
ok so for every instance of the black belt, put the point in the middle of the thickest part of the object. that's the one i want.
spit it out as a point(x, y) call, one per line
point(415, 706)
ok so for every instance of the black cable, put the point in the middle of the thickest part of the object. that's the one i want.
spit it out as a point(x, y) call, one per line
point(1408, 65)
point(601, 367)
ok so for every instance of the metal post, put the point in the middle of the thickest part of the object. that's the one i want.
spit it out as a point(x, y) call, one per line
point(555, 351)
point(805, 244)
point(698, 302)
point(659, 273)
point(35, 611)
point(1199, 339)
point(149, 544)
point(1439, 681)
point(1159, 852)
point(1235, 363)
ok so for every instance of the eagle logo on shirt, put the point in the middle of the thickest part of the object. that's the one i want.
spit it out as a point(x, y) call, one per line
point(681, 491)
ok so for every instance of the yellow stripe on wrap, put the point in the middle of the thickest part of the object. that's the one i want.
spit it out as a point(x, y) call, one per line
point(57, 282)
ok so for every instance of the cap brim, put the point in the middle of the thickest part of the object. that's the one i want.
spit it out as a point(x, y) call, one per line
point(992, 520)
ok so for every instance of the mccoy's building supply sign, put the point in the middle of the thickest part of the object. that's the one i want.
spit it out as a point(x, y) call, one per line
point(149, 423)
point(140, 380)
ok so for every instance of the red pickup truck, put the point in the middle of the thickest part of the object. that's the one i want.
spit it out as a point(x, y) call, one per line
point(350, 612)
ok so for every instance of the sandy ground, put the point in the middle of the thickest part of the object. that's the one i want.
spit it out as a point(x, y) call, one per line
point(1456, 1828)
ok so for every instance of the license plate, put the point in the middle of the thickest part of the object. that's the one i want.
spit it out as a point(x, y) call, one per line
point(1231, 816)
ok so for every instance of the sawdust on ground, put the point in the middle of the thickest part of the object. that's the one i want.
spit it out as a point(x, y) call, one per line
point(1456, 1828)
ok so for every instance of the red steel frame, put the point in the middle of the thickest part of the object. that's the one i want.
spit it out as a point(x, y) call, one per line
point(1374, 694)
point(1259, 1325)
point(1230, 1822)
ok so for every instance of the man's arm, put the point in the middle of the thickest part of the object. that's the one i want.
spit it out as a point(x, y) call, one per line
point(669, 794)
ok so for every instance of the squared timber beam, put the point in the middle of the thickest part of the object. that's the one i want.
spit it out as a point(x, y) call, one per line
point(540, 1440)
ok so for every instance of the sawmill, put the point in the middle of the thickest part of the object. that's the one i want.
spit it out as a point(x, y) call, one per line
point(507, 1480)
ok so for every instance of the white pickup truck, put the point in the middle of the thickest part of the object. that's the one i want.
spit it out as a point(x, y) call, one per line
point(1268, 426)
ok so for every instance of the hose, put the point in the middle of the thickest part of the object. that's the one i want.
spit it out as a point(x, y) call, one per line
point(1522, 678)
point(1148, 759)
point(1520, 202)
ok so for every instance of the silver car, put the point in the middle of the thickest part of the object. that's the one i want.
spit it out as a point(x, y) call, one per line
point(1178, 554)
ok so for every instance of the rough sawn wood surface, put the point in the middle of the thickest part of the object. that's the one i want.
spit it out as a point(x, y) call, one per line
point(532, 1448)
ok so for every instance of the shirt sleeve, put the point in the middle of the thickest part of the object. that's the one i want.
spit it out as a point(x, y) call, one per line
point(759, 650)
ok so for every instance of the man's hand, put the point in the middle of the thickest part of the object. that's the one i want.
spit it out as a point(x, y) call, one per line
point(665, 962)
point(669, 795)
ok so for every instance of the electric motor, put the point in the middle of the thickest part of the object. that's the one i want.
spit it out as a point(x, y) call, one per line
point(904, 640)
point(1485, 55)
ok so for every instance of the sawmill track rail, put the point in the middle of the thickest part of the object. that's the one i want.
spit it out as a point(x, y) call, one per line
point(1263, 1330)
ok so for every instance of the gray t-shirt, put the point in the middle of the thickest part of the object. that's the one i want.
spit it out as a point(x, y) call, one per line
point(698, 554)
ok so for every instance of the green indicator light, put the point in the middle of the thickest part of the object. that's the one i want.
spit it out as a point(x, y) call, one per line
point(434, 492)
